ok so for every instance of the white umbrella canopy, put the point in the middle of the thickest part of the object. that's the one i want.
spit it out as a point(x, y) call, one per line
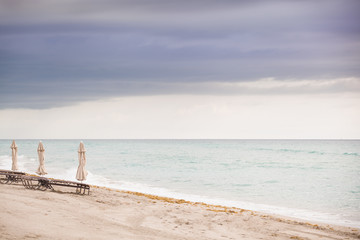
point(81, 173)
point(41, 152)
point(14, 148)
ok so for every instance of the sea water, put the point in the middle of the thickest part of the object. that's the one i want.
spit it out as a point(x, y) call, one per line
point(316, 180)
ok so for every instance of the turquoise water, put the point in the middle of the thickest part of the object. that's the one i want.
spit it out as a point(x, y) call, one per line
point(309, 179)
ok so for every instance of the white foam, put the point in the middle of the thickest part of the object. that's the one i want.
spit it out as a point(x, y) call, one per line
point(6, 162)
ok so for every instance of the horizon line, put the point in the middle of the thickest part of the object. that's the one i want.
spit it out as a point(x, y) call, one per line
point(179, 139)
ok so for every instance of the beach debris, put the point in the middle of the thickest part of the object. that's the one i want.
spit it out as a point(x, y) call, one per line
point(296, 237)
point(209, 207)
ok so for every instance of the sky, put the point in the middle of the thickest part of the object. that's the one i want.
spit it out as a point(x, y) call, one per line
point(180, 69)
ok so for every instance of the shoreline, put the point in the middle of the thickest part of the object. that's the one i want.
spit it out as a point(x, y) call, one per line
point(134, 215)
point(291, 213)
point(172, 196)
point(226, 209)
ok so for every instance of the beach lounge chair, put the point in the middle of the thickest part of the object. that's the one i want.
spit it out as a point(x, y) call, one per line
point(34, 182)
point(9, 177)
point(42, 183)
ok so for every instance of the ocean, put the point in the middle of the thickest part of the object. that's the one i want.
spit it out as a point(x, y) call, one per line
point(315, 180)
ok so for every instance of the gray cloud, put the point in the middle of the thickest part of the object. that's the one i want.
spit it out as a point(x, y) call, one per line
point(47, 94)
point(54, 53)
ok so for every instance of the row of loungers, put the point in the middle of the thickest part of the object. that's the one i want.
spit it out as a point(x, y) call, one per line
point(40, 183)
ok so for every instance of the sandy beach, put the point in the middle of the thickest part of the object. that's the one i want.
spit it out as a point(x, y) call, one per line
point(114, 214)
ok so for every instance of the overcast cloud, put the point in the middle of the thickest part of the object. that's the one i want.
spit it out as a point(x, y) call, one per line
point(55, 53)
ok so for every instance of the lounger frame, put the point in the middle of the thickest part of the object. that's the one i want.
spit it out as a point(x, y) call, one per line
point(10, 177)
point(41, 183)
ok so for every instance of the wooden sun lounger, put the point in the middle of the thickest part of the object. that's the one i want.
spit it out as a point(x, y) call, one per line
point(9, 177)
point(81, 188)
point(42, 183)
point(33, 182)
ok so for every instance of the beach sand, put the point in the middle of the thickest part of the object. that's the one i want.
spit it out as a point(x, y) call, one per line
point(113, 214)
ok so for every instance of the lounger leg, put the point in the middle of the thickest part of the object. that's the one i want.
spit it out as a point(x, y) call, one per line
point(7, 179)
point(41, 186)
point(11, 179)
point(25, 183)
point(80, 189)
point(3, 180)
point(32, 184)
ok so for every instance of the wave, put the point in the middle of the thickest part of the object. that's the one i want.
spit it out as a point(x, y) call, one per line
point(23, 163)
point(351, 154)
point(306, 151)
point(290, 150)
